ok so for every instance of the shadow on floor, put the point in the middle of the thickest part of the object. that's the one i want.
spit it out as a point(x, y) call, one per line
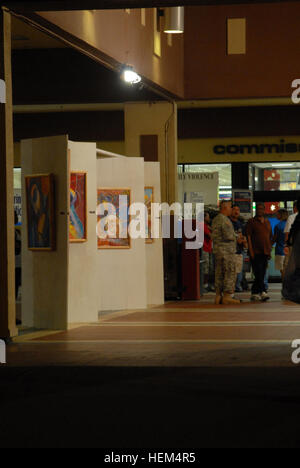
point(149, 407)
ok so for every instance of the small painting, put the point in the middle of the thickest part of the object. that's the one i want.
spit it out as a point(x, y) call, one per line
point(113, 218)
point(149, 199)
point(78, 207)
point(40, 211)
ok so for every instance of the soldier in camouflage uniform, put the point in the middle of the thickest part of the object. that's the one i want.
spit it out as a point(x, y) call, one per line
point(224, 241)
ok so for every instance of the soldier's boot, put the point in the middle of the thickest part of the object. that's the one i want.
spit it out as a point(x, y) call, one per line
point(228, 299)
point(218, 298)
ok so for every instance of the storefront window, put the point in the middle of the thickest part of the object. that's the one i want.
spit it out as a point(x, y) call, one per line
point(275, 176)
point(280, 176)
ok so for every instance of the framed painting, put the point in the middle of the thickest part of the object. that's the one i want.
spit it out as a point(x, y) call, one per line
point(40, 211)
point(78, 207)
point(113, 228)
point(149, 199)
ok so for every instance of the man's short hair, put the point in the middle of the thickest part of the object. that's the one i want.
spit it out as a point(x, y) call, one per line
point(260, 204)
point(298, 204)
point(223, 202)
point(236, 206)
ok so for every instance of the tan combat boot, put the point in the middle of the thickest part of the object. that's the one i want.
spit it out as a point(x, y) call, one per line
point(218, 298)
point(228, 299)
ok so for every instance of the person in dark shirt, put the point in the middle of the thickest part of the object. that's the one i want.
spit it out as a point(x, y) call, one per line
point(259, 236)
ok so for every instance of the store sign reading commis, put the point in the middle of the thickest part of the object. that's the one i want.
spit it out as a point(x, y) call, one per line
point(2, 92)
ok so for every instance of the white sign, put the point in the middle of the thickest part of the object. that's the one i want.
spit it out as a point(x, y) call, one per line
point(2, 352)
point(203, 186)
point(2, 92)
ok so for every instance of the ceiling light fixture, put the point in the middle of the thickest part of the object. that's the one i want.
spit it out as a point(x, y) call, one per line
point(174, 20)
point(129, 75)
point(282, 165)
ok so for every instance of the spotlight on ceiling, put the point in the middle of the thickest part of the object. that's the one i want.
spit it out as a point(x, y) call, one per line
point(174, 20)
point(129, 75)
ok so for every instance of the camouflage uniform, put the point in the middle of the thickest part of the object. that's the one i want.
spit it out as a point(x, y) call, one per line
point(224, 242)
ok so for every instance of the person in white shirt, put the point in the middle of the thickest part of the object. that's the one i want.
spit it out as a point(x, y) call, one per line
point(290, 221)
point(287, 229)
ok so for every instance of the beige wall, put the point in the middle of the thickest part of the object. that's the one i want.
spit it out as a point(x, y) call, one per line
point(82, 281)
point(268, 67)
point(45, 274)
point(117, 147)
point(123, 37)
point(155, 119)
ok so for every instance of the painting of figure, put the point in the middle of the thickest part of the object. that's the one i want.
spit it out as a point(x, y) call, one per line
point(149, 199)
point(40, 212)
point(113, 218)
point(78, 215)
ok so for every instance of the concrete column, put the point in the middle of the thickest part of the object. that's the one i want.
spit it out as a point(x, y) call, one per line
point(240, 175)
point(7, 242)
point(157, 118)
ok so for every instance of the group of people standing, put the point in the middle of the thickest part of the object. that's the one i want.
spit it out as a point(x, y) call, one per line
point(229, 240)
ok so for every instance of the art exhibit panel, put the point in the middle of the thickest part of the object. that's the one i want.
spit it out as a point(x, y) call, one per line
point(122, 272)
point(154, 250)
point(45, 272)
point(83, 284)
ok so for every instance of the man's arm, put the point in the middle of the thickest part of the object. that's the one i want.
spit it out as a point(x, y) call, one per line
point(287, 228)
point(251, 251)
point(249, 239)
point(228, 233)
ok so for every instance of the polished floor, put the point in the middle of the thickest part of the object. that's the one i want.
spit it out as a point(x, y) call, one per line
point(183, 375)
point(175, 334)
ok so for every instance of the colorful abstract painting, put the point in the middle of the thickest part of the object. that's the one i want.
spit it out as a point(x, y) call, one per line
point(40, 211)
point(113, 218)
point(78, 216)
point(149, 199)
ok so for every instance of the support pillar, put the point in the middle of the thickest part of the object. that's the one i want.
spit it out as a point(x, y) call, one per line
point(151, 132)
point(7, 239)
point(240, 175)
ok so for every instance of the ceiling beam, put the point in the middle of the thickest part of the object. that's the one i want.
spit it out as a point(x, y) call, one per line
point(60, 5)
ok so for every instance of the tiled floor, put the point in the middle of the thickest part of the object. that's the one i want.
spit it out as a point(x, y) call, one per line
point(174, 334)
